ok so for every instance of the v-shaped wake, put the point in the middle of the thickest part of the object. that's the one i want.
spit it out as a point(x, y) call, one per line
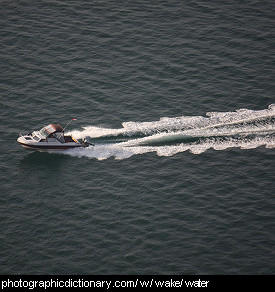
point(245, 129)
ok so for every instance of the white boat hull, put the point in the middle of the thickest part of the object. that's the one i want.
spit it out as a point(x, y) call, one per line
point(48, 146)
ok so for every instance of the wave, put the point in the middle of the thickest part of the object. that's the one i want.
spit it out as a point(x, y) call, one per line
point(243, 128)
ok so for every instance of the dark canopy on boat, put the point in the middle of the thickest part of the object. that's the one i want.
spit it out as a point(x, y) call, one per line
point(57, 128)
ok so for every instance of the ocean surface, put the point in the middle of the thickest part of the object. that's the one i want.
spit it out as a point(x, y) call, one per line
point(178, 98)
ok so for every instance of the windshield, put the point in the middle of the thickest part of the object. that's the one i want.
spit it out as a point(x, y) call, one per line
point(59, 137)
point(44, 132)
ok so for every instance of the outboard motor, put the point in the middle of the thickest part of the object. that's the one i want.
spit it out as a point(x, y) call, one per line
point(86, 143)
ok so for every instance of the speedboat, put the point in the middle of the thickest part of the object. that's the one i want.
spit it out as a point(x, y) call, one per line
point(49, 138)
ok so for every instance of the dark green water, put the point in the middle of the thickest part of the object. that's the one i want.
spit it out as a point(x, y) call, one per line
point(178, 97)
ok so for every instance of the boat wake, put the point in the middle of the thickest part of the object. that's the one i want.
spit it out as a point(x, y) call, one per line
point(245, 129)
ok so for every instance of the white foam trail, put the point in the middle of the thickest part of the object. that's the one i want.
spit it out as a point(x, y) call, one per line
point(101, 152)
point(167, 137)
point(213, 119)
point(253, 128)
point(118, 151)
